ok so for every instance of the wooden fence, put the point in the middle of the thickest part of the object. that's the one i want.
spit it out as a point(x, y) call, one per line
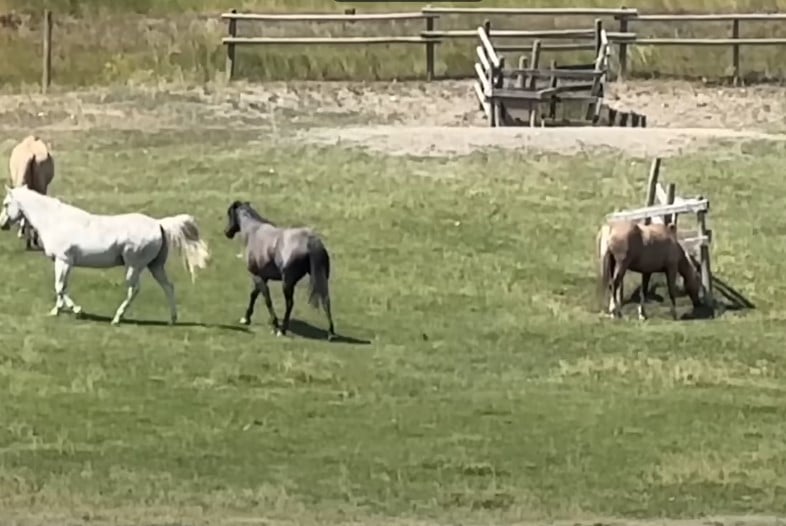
point(430, 36)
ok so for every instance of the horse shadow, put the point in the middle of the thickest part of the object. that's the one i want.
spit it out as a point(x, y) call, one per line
point(304, 329)
point(725, 298)
point(99, 318)
point(297, 327)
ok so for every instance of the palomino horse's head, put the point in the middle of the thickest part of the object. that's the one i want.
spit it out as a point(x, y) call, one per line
point(11, 212)
point(233, 223)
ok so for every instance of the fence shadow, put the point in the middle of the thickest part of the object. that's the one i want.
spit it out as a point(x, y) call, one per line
point(726, 297)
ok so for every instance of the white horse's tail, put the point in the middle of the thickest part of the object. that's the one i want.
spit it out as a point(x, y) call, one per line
point(182, 233)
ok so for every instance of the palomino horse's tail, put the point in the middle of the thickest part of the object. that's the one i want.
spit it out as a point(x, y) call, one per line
point(604, 259)
point(182, 233)
point(320, 273)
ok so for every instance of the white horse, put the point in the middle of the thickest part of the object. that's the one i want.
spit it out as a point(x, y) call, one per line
point(73, 237)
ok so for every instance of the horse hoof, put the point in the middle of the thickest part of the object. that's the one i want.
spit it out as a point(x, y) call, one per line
point(54, 312)
point(245, 321)
point(331, 337)
point(77, 310)
point(278, 332)
point(115, 321)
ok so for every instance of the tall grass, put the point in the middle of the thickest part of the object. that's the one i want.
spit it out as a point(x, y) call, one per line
point(105, 41)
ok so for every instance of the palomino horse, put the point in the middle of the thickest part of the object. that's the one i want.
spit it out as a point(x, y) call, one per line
point(646, 249)
point(73, 237)
point(280, 254)
point(30, 164)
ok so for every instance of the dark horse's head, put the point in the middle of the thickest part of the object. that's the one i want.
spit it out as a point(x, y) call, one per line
point(233, 223)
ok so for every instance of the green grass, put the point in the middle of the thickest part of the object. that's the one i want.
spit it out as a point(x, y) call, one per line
point(492, 389)
point(100, 42)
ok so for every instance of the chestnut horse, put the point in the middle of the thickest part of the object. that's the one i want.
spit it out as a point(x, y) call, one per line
point(628, 245)
point(30, 164)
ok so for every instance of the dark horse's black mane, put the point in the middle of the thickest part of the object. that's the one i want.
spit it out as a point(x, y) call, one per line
point(246, 207)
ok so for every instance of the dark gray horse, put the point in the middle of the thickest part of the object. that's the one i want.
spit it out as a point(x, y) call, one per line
point(280, 254)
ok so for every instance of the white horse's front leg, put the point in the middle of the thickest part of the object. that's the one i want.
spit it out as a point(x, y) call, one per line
point(20, 232)
point(132, 281)
point(62, 272)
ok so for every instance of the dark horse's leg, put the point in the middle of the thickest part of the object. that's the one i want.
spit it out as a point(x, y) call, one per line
point(258, 285)
point(331, 329)
point(645, 285)
point(671, 281)
point(289, 278)
point(269, 304)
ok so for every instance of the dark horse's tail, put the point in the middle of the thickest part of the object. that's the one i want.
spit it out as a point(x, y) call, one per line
point(320, 273)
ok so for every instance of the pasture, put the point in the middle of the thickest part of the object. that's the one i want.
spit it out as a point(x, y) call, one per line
point(477, 381)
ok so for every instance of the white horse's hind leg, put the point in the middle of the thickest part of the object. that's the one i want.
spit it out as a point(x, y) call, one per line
point(132, 281)
point(62, 271)
point(159, 273)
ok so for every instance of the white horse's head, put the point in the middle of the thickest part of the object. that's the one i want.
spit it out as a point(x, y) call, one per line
point(11, 212)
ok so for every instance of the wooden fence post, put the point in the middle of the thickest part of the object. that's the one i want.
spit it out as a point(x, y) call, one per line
point(671, 195)
point(735, 34)
point(652, 185)
point(704, 261)
point(430, 51)
point(46, 65)
point(229, 69)
point(623, 47)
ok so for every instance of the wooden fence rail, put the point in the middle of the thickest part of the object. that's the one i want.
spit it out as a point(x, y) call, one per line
point(430, 37)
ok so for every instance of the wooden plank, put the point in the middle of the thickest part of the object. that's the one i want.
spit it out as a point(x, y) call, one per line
point(511, 33)
point(704, 260)
point(698, 17)
point(323, 40)
point(689, 206)
point(518, 33)
point(484, 61)
point(570, 74)
point(511, 93)
point(326, 17)
point(485, 106)
point(547, 46)
point(534, 11)
point(709, 41)
point(487, 46)
point(671, 196)
point(558, 90)
point(661, 195)
point(483, 79)
point(46, 66)
point(652, 186)
point(229, 67)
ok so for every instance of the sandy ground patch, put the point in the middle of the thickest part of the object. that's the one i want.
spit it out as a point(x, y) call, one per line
point(438, 118)
point(444, 140)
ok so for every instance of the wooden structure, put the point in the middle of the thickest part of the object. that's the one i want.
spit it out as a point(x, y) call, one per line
point(663, 205)
point(430, 36)
point(567, 95)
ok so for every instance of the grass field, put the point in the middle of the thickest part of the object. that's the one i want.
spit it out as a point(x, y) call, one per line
point(141, 41)
point(490, 389)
